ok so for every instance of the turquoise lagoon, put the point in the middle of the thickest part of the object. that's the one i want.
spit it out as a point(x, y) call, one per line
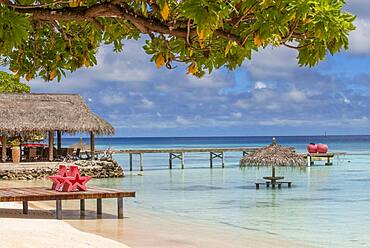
point(328, 206)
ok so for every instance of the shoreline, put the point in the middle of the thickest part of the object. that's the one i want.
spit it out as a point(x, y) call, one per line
point(140, 228)
point(144, 228)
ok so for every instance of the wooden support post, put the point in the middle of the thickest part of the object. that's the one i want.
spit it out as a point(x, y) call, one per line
point(59, 142)
point(99, 206)
point(59, 209)
point(328, 161)
point(308, 160)
point(82, 207)
point(182, 161)
point(92, 145)
point(3, 148)
point(120, 208)
point(170, 161)
point(141, 162)
point(25, 207)
point(211, 160)
point(223, 159)
point(51, 146)
point(130, 155)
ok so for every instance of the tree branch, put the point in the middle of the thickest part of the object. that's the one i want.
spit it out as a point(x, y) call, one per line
point(109, 10)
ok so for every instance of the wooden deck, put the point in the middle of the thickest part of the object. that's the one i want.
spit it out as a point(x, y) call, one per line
point(311, 157)
point(27, 194)
point(187, 149)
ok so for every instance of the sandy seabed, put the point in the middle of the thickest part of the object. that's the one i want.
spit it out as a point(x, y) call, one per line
point(140, 228)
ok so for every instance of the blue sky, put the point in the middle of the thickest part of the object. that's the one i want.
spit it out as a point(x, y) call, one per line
point(269, 95)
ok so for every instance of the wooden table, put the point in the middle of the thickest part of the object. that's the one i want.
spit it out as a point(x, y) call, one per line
point(273, 181)
point(27, 194)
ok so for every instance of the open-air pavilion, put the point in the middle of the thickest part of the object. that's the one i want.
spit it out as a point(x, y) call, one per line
point(49, 114)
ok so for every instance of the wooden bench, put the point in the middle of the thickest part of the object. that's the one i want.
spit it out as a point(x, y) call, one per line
point(27, 194)
point(268, 183)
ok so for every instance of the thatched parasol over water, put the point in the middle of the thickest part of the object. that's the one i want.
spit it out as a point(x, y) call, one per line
point(273, 155)
point(81, 145)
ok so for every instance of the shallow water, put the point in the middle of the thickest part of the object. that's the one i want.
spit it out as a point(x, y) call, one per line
point(327, 206)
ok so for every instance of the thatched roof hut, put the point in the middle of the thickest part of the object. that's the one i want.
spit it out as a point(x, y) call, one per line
point(22, 114)
point(273, 155)
point(68, 113)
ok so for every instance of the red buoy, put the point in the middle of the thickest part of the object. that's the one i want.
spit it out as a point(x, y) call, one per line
point(312, 148)
point(322, 148)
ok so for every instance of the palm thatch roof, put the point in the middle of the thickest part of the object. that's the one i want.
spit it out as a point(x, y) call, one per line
point(273, 155)
point(23, 113)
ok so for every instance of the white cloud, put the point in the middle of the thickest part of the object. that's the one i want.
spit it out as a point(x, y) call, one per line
point(272, 62)
point(183, 121)
point(296, 95)
point(360, 38)
point(345, 99)
point(260, 85)
point(237, 115)
point(214, 80)
point(112, 99)
point(146, 103)
point(240, 103)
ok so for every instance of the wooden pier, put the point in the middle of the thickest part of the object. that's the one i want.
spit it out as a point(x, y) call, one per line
point(179, 153)
point(27, 194)
point(214, 153)
point(312, 157)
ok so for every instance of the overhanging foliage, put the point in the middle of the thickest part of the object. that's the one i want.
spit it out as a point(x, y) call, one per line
point(48, 37)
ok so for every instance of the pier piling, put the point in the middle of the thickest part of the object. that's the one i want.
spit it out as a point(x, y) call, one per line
point(213, 155)
point(141, 162)
point(176, 155)
point(130, 162)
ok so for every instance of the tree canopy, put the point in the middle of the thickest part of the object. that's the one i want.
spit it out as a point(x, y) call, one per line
point(10, 84)
point(49, 37)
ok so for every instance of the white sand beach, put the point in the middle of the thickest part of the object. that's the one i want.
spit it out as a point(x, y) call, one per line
point(18, 232)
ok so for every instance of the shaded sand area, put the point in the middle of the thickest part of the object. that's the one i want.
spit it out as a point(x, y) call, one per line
point(140, 228)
